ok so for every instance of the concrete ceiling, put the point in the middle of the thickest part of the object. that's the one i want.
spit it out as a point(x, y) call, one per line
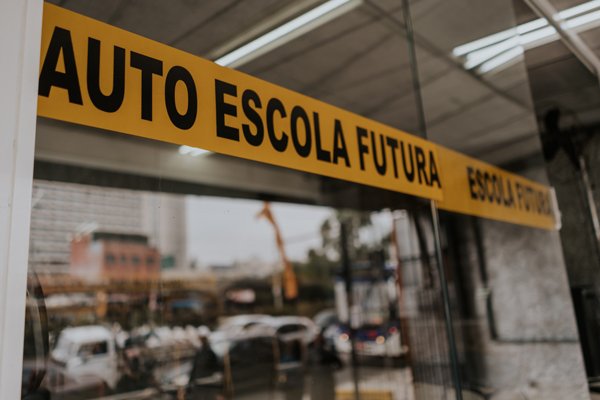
point(360, 61)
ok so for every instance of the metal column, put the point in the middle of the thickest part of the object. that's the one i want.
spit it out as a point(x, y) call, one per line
point(453, 353)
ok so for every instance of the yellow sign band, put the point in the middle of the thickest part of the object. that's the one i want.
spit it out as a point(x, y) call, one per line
point(97, 75)
point(476, 188)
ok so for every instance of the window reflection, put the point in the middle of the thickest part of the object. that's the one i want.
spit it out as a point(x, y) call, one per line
point(158, 296)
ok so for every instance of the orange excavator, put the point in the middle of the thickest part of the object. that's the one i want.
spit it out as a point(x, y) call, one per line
point(290, 283)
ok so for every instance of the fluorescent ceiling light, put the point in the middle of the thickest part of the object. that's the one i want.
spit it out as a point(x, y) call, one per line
point(528, 40)
point(580, 9)
point(503, 48)
point(192, 151)
point(582, 20)
point(502, 60)
point(477, 57)
point(499, 37)
point(288, 31)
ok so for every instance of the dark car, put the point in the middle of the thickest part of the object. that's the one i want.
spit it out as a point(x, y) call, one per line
point(373, 340)
point(253, 359)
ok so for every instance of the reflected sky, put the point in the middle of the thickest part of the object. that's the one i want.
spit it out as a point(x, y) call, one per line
point(221, 231)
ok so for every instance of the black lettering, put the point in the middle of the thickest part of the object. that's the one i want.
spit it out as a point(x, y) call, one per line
point(410, 176)
point(489, 187)
point(508, 195)
point(279, 144)
point(527, 198)
point(303, 150)
point(223, 109)
point(186, 120)
point(471, 179)
point(149, 66)
point(339, 144)
point(381, 168)
point(480, 183)
point(363, 149)
point(113, 101)
point(322, 155)
point(393, 144)
point(255, 139)
point(497, 188)
point(434, 177)
point(49, 76)
point(519, 190)
point(421, 171)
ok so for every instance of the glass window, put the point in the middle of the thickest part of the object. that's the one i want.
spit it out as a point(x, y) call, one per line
point(110, 259)
point(93, 349)
point(242, 279)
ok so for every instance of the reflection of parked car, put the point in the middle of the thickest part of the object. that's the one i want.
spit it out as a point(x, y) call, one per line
point(291, 328)
point(242, 322)
point(287, 328)
point(326, 318)
point(94, 356)
point(87, 352)
point(372, 340)
point(327, 321)
point(254, 357)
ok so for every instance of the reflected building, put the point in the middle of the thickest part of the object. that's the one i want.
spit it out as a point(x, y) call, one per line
point(62, 210)
point(108, 256)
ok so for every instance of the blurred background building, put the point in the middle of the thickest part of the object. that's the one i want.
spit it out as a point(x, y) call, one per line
point(59, 209)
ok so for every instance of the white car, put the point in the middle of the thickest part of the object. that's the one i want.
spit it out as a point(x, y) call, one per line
point(287, 328)
point(243, 322)
point(290, 328)
point(87, 353)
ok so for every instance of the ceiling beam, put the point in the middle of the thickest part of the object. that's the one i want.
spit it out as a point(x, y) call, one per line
point(570, 38)
point(426, 45)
